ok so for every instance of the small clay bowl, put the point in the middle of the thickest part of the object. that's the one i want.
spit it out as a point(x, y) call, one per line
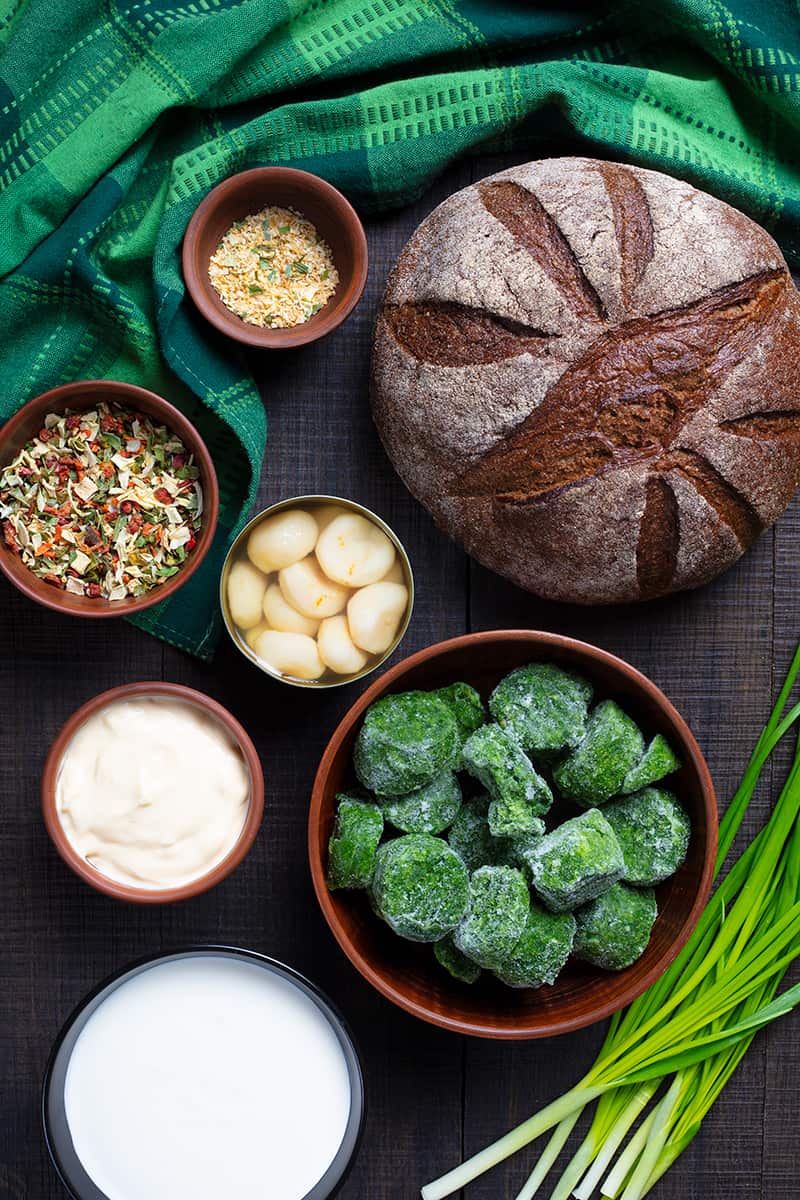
point(123, 891)
point(407, 973)
point(248, 192)
point(78, 397)
point(237, 550)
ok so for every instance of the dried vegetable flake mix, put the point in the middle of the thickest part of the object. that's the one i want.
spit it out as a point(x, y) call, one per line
point(102, 503)
point(273, 269)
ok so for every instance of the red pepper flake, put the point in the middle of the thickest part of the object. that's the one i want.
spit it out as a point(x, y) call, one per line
point(126, 507)
point(72, 421)
point(93, 590)
point(10, 535)
point(190, 545)
point(54, 581)
point(163, 496)
point(44, 435)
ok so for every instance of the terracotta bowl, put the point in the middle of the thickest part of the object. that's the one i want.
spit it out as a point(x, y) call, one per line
point(123, 891)
point(406, 973)
point(335, 219)
point(78, 397)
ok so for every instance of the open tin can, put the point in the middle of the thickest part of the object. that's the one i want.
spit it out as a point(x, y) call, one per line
point(237, 552)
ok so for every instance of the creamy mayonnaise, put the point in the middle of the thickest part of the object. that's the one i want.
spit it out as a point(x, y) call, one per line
point(152, 791)
point(207, 1078)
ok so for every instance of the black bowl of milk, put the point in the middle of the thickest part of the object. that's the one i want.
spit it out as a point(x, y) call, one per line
point(205, 1073)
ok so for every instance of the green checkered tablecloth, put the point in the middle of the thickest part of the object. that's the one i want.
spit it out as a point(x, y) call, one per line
point(117, 117)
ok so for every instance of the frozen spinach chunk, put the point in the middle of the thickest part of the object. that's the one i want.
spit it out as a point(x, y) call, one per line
point(471, 837)
point(469, 834)
point(467, 708)
point(450, 957)
point(542, 950)
point(516, 851)
point(406, 739)
point(594, 771)
point(658, 760)
point(420, 887)
point(354, 843)
point(579, 860)
point(653, 830)
point(542, 706)
point(518, 793)
point(428, 809)
point(499, 902)
point(613, 931)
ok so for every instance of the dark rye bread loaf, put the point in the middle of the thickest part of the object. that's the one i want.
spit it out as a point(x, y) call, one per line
point(590, 374)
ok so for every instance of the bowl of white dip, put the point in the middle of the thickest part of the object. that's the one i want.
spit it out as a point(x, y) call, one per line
point(152, 792)
point(203, 1073)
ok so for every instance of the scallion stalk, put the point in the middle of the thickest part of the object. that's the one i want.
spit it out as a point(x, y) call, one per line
point(694, 1024)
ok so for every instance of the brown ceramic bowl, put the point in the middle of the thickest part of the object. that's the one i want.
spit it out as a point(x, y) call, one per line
point(78, 397)
point(406, 973)
point(123, 891)
point(335, 219)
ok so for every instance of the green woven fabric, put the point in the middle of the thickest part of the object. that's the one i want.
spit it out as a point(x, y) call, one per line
point(117, 117)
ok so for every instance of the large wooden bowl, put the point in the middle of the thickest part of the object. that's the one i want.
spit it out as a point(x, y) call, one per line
point(405, 972)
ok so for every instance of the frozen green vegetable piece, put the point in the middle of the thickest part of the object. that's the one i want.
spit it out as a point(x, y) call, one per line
point(579, 860)
point(428, 809)
point(594, 771)
point(420, 887)
point(499, 902)
point(469, 834)
point(542, 706)
point(543, 948)
point(613, 931)
point(450, 957)
point(467, 708)
point(653, 830)
point(353, 843)
point(518, 793)
point(404, 742)
point(658, 760)
point(471, 837)
point(516, 851)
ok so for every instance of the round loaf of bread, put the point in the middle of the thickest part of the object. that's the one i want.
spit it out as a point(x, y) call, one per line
point(590, 375)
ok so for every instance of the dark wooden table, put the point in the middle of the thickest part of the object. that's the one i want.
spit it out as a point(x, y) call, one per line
point(433, 1097)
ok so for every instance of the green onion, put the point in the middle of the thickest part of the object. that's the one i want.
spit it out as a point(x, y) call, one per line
point(669, 1055)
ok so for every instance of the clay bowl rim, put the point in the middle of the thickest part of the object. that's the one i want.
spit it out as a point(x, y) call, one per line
point(19, 427)
point(233, 554)
point(529, 1027)
point(268, 180)
point(113, 887)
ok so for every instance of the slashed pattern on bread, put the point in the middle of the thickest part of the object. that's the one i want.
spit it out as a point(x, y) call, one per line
point(589, 373)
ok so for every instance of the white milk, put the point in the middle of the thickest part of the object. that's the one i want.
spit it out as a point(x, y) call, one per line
point(207, 1078)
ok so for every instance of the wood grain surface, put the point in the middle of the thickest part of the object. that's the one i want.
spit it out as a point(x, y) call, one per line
point(432, 1097)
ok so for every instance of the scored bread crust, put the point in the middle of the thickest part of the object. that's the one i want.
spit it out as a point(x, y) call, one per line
point(589, 374)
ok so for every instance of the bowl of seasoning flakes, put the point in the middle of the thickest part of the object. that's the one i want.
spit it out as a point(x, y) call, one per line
point(275, 257)
point(108, 499)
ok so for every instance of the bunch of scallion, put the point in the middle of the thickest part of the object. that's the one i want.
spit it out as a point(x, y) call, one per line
point(669, 1055)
